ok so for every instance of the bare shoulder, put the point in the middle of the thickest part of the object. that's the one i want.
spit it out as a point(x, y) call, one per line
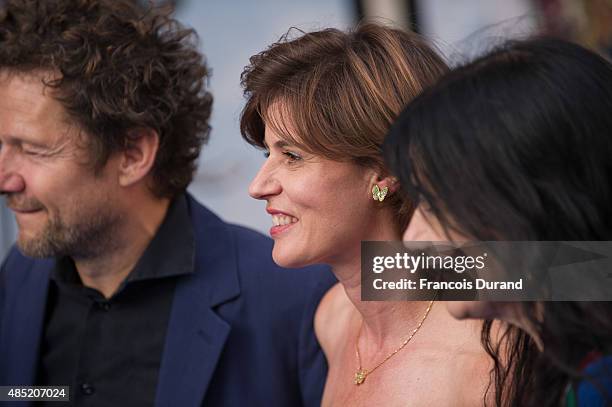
point(332, 318)
point(458, 362)
point(476, 365)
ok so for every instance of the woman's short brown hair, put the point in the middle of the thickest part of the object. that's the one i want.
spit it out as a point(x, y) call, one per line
point(339, 90)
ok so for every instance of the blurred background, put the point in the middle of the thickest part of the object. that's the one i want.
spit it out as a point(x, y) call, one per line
point(230, 32)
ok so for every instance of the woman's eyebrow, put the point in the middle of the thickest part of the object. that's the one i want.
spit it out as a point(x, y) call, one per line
point(278, 144)
point(281, 144)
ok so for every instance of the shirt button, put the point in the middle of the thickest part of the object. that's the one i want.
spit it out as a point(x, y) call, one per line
point(104, 305)
point(87, 389)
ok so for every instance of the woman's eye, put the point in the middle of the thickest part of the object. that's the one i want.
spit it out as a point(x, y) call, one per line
point(292, 156)
point(425, 206)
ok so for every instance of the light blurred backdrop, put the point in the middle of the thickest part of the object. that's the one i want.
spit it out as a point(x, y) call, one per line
point(231, 31)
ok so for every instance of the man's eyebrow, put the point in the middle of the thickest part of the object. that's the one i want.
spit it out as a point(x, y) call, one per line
point(18, 140)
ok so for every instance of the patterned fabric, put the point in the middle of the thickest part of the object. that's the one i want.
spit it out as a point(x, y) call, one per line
point(596, 391)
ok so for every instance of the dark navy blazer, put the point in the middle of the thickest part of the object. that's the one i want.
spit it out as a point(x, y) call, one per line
point(240, 330)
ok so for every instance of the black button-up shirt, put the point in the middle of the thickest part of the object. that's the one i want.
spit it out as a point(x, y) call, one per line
point(109, 351)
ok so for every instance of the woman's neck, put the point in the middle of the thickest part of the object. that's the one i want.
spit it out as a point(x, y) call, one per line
point(381, 319)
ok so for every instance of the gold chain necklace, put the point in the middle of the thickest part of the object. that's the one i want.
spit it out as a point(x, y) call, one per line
point(362, 373)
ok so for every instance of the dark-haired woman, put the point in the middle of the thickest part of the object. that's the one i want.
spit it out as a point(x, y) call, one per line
point(517, 145)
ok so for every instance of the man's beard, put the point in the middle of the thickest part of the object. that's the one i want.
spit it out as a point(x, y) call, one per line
point(91, 233)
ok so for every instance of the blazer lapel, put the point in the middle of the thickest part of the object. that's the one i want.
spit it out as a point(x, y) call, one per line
point(196, 334)
point(195, 339)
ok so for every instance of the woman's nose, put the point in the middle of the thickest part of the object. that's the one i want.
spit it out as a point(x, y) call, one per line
point(265, 183)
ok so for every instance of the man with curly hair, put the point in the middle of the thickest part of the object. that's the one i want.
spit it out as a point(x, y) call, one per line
point(122, 286)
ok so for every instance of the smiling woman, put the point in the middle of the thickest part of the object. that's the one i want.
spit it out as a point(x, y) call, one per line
point(320, 106)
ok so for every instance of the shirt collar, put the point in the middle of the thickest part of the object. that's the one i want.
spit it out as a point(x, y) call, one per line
point(171, 252)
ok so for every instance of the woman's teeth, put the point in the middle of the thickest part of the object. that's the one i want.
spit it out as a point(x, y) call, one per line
point(280, 220)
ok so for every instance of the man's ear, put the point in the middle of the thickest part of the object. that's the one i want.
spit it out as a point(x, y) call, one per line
point(138, 156)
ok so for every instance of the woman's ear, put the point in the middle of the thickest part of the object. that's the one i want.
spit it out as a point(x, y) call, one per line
point(390, 182)
point(385, 181)
point(382, 186)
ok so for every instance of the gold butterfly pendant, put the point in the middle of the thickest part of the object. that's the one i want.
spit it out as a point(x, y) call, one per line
point(379, 194)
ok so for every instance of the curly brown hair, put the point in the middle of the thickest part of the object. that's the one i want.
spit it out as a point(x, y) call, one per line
point(119, 66)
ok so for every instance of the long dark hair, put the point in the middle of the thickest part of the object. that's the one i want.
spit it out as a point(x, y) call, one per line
point(517, 145)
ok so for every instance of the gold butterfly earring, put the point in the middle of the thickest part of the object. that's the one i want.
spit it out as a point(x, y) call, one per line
point(379, 194)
